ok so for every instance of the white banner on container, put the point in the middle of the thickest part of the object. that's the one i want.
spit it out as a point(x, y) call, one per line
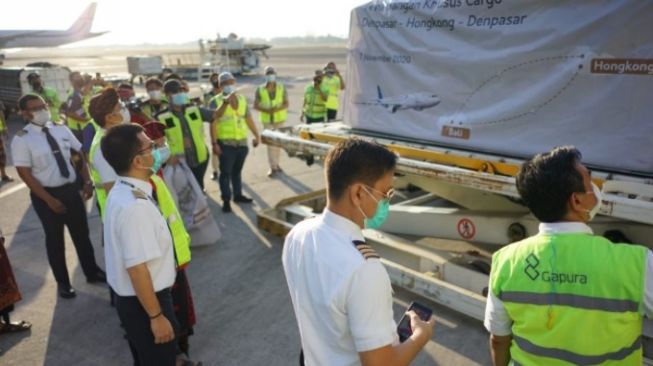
point(508, 77)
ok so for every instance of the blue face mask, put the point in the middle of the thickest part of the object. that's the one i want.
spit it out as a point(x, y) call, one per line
point(180, 99)
point(165, 153)
point(228, 89)
point(271, 78)
point(381, 214)
point(158, 160)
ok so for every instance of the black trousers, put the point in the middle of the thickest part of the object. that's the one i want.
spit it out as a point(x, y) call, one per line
point(232, 161)
point(139, 333)
point(53, 225)
point(331, 114)
point(199, 172)
point(310, 120)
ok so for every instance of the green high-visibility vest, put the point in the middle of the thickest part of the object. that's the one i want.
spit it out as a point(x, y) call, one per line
point(52, 99)
point(149, 111)
point(573, 299)
point(175, 135)
point(314, 105)
point(180, 237)
point(332, 84)
point(100, 192)
point(232, 126)
point(265, 102)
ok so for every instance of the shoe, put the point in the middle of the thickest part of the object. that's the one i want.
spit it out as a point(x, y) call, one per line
point(7, 178)
point(66, 291)
point(278, 169)
point(98, 277)
point(243, 199)
point(271, 173)
point(215, 176)
point(226, 206)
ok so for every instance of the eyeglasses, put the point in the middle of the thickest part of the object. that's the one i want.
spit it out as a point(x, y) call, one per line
point(387, 195)
point(151, 147)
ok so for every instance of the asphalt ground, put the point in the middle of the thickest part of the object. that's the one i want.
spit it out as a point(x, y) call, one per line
point(244, 312)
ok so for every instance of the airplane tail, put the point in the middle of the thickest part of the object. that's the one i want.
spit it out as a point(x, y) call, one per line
point(378, 89)
point(84, 23)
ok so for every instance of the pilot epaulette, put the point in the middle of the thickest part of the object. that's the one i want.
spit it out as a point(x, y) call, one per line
point(21, 133)
point(139, 195)
point(366, 250)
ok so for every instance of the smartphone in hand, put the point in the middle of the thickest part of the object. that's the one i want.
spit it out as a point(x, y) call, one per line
point(403, 329)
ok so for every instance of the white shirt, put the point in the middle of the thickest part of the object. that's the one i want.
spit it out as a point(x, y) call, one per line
point(342, 302)
point(135, 232)
point(30, 149)
point(498, 322)
point(106, 172)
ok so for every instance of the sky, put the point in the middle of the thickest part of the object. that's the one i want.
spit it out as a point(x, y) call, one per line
point(165, 21)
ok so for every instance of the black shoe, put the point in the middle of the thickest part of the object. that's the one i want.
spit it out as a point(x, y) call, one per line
point(66, 291)
point(226, 206)
point(215, 176)
point(243, 199)
point(98, 277)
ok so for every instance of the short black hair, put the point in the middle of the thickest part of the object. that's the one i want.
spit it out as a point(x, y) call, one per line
point(172, 86)
point(22, 102)
point(120, 145)
point(356, 161)
point(546, 182)
point(153, 80)
point(174, 76)
point(32, 76)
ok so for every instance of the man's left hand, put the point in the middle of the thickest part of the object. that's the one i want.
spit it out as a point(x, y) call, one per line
point(256, 141)
point(87, 192)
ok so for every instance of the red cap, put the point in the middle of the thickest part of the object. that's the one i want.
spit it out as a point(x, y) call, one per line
point(154, 129)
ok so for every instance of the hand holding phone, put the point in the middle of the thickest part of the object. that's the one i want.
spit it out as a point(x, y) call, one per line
point(404, 328)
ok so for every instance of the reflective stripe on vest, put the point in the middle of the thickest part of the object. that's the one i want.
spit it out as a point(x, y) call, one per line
point(100, 192)
point(314, 105)
point(168, 207)
point(175, 135)
point(333, 85)
point(265, 102)
point(232, 124)
point(573, 299)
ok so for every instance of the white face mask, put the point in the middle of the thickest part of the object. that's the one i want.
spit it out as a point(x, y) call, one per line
point(599, 197)
point(126, 116)
point(155, 94)
point(41, 117)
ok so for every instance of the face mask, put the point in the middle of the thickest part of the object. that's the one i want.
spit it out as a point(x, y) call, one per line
point(381, 214)
point(228, 89)
point(41, 117)
point(271, 78)
point(156, 156)
point(599, 197)
point(155, 94)
point(126, 116)
point(164, 151)
point(180, 99)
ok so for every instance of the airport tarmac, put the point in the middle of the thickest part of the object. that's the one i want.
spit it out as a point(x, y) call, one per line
point(244, 312)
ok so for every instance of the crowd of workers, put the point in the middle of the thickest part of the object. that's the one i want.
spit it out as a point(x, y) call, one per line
point(543, 290)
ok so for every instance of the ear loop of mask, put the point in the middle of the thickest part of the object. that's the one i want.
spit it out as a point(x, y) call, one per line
point(374, 198)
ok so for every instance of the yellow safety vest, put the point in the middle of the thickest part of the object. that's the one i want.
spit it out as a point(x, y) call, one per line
point(180, 236)
point(3, 125)
point(332, 83)
point(74, 124)
point(175, 135)
point(232, 126)
point(52, 99)
point(100, 192)
point(314, 105)
point(574, 299)
point(265, 102)
point(148, 111)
